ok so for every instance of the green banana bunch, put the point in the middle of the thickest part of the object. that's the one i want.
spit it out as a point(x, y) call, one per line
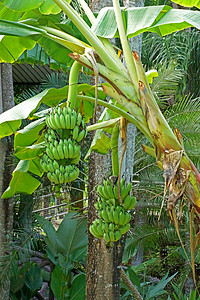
point(61, 174)
point(65, 118)
point(113, 217)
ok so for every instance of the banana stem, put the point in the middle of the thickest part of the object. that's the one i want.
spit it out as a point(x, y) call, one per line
point(114, 150)
point(73, 83)
point(130, 64)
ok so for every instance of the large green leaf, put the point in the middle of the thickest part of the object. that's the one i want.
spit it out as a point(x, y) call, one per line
point(77, 290)
point(12, 47)
point(22, 182)
point(19, 29)
point(22, 5)
point(33, 278)
point(35, 167)
point(160, 19)
point(57, 282)
point(8, 14)
point(29, 152)
point(38, 55)
point(29, 134)
point(71, 235)
point(188, 3)
point(49, 7)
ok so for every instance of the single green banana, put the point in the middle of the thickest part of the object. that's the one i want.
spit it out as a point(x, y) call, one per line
point(61, 178)
point(112, 236)
point(115, 192)
point(67, 121)
point(52, 121)
point(125, 229)
point(105, 192)
point(100, 228)
point(47, 121)
point(127, 202)
point(121, 218)
point(129, 187)
point(59, 110)
point(66, 152)
point(60, 152)
point(52, 133)
point(64, 111)
point(57, 120)
point(132, 204)
point(110, 190)
point(55, 165)
point(105, 216)
point(77, 150)
point(93, 231)
point(110, 214)
point(105, 227)
point(49, 153)
point(102, 205)
point(55, 143)
point(116, 217)
point(94, 226)
point(69, 111)
point(79, 119)
point(73, 122)
point(127, 218)
point(50, 167)
point(57, 172)
point(66, 177)
point(49, 176)
point(62, 121)
point(96, 205)
point(70, 151)
point(55, 153)
point(74, 113)
point(74, 174)
point(123, 192)
point(44, 166)
point(118, 209)
point(80, 136)
point(100, 191)
point(55, 178)
point(106, 237)
point(75, 132)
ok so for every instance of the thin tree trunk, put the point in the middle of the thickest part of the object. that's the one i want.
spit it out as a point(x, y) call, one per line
point(6, 206)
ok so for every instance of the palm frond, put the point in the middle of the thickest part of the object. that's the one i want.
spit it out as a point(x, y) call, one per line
point(166, 84)
point(182, 47)
point(55, 80)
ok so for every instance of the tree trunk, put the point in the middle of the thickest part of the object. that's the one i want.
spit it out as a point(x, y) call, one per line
point(6, 206)
point(102, 272)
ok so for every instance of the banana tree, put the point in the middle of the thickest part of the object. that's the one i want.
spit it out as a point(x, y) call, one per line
point(128, 86)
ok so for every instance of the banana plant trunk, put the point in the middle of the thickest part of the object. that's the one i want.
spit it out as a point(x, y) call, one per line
point(102, 272)
point(6, 205)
